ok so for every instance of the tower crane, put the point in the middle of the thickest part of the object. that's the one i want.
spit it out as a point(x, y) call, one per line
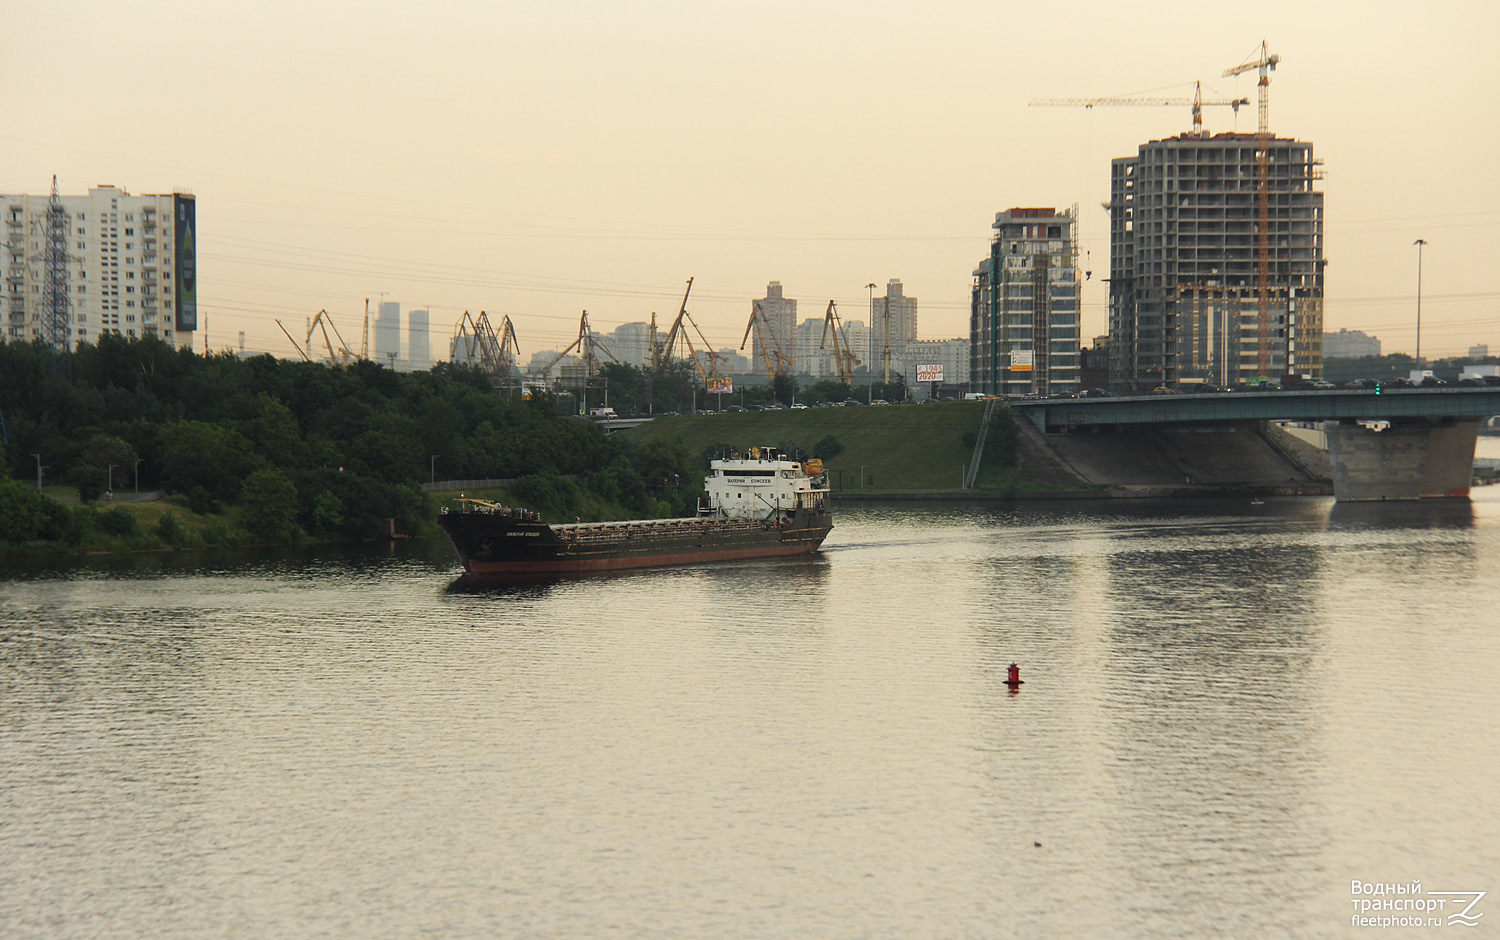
point(1266, 62)
point(1196, 103)
point(844, 359)
point(776, 361)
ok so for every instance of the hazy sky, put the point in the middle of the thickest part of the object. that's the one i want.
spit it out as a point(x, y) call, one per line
point(539, 159)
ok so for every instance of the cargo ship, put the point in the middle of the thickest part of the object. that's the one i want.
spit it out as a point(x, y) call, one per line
point(760, 504)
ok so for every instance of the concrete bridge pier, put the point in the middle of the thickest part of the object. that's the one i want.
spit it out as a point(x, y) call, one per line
point(1410, 459)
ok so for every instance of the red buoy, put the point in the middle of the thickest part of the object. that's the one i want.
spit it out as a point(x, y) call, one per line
point(1013, 676)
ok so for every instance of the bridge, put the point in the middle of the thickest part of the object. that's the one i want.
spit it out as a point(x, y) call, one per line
point(1403, 443)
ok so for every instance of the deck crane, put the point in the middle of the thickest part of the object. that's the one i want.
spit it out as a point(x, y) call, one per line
point(844, 359)
point(1196, 103)
point(320, 323)
point(1266, 63)
point(775, 361)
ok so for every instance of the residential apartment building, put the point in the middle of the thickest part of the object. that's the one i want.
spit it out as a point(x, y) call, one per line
point(1216, 262)
point(1024, 308)
point(893, 327)
point(778, 316)
point(77, 267)
point(951, 354)
point(1351, 344)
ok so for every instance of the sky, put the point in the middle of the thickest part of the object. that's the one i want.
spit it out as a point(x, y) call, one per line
point(539, 160)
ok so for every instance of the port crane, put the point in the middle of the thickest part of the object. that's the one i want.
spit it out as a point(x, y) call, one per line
point(1266, 63)
point(1197, 103)
point(844, 359)
point(477, 339)
point(678, 333)
point(320, 323)
point(588, 345)
point(776, 362)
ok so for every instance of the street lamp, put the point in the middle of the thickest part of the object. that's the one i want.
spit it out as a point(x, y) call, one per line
point(869, 369)
point(1420, 243)
point(39, 469)
point(109, 485)
point(433, 468)
point(138, 475)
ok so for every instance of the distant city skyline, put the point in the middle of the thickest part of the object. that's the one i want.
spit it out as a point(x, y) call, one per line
point(544, 161)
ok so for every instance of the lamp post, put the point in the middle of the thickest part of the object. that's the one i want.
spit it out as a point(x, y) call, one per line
point(109, 481)
point(870, 367)
point(39, 469)
point(433, 468)
point(138, 475)
point(1420, 243)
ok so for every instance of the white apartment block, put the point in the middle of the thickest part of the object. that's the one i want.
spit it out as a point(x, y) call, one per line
point(951, 354)
point(131, 264)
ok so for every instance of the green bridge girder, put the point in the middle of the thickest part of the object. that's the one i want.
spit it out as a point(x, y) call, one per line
point(1055, 415)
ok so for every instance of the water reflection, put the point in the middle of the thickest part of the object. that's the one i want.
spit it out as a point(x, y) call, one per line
point(1222, 702)
point(1403, 514)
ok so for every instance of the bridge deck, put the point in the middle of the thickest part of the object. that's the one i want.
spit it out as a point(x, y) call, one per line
point(1063, 414)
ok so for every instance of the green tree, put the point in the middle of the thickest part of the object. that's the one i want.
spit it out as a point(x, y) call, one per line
point(211, 456)
point(268, 501)
point(25, 514)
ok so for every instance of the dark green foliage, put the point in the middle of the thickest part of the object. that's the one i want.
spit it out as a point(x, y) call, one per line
point(784, 389)
point(117, 522)
point(169, 530)
point(352, 445)
point(827, 448)
point(268, 502)
point(26, 515)
point(546, 492)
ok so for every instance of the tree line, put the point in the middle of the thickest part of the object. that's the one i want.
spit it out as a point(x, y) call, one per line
point(297, 449)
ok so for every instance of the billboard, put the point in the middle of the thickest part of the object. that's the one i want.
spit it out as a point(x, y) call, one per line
point(185, 260)
point(721, 385)
point(929, 373)
point(1020, 360)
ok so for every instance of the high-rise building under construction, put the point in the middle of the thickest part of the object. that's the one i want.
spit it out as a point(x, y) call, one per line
point(1216, 262)
point(1023, 318)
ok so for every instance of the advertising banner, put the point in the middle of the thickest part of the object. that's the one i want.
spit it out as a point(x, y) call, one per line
point(929, 373)
point(185, 261)
point(1020, 360)
point(721, 385)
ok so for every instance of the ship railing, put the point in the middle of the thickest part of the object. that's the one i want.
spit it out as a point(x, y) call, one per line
point(591, 533)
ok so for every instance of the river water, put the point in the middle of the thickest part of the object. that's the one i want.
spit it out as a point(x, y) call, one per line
point(1231, 712)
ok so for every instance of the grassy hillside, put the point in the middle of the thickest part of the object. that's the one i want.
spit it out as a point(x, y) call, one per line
point(901, 447)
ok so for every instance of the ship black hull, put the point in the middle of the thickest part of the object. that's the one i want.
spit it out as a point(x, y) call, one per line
point(501, 546)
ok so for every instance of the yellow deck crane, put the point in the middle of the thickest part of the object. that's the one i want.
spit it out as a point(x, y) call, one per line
point(1196, 103)
point(1266, 62)
point(320, 323)
point(844, 360)
point(775, 361)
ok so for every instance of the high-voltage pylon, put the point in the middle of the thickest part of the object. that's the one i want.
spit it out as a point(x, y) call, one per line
point(57, 304)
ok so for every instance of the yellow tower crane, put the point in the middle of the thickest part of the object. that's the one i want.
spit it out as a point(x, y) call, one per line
point(1196, 103)
point(1266, 62)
